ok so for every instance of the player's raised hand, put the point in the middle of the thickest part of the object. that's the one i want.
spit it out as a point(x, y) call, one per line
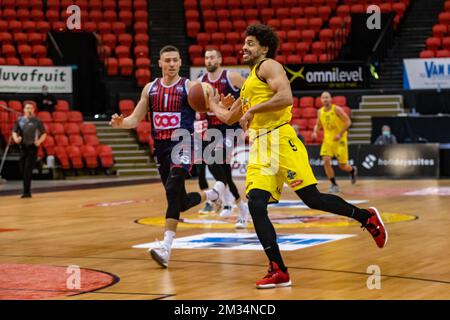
point(116, 121)
point(227, 101)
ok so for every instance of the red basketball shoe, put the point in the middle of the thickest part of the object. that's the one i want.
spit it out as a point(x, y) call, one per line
point(274, 278)
point(376, 227)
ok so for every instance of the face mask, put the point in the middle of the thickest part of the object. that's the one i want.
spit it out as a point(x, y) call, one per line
point(386, 133)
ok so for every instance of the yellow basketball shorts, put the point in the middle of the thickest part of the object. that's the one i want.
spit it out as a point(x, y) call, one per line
point(338, 149)
point(275, 158)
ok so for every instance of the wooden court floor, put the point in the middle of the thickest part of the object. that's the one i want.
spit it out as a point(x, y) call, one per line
point(97, 228)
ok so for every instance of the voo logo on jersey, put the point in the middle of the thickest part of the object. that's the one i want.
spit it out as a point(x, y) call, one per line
point(166, 120)
point(369, 161)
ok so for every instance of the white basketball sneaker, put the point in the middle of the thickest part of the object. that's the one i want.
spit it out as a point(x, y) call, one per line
point(161, 255)
point(242, 220)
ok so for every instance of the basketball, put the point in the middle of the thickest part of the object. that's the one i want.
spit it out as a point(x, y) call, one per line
point(198, 96)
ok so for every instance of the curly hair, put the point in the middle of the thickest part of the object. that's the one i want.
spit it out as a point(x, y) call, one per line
point(266, 37)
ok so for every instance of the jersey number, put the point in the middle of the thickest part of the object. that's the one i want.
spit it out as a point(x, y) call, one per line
point(293, 146)
point(166, 99)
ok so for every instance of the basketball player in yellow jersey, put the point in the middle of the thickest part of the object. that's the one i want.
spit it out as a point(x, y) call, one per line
point(335, 124)
point(277, 156)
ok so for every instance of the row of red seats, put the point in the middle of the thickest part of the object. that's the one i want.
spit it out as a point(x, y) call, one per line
point(438, 45)
point(264, 14)
point(315, 102)
point(259, 4)
point(13, 61)
point(99, 4)
point(85, 156)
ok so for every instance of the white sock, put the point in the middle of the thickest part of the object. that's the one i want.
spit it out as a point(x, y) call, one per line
point(242, 207)
point(168, 238)
point(211, 195)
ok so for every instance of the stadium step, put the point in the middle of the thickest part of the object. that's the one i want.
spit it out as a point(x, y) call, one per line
point(133, 153)
point(120, 166)
point(134, 159)
point(372, 106)
point(112, 141)
point(128, 146)
point(137, 172)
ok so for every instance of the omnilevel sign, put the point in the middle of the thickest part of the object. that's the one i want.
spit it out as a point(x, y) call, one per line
point(326, 75)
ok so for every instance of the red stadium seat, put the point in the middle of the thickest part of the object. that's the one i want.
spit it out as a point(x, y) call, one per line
point(309, 113)
point(267, 14)
point(310, 58)
point(324, 12)
point(306, 102)
point(141, 16)
point(88, 129)
point(35, 38)
point(42, 26)
point(217, 38)
point(91, 140)
point(442, 53)
point(122, 52)
point(141, 51)
point(143, 63)
point(112, 66)
point(301, 24)
point(56, 129)
point(15, 26)
point(439, 30)
point(45, 62)
point(433, 43)
point(444, 18)
point(89, 155)
point(211, 26)
point(143, 131)
point(74, 155)
point(225, 26)
point(76, 140)
point(126, 106)
point(310, 12)
point(59, 117)
point(71, 128)
point(62, 105)
point(6, 38)
point(61, 140)
point(282, 34)
point(61, 156)
point(336, 23)
point(308, 35)
point(140, 27)
point(193, 28)
point(140, 5)
point(195, 51)
point(49, 145)
point(293, 35)
point(230, 61)
point(281, 59)
point(203, 38)
point(75, 117)
point(315, 24)
point(227, 49)
point(12, 61)
point(126, 66)
point(325, 35)
point(143, 76)
point(294, 59)
point(208, 15)
point(141, 39)
point(287, 48)
point(339, 100)
point(287, 24)
point(39, 51)
point(106, 156)
point(318, 47)
point(45, 116)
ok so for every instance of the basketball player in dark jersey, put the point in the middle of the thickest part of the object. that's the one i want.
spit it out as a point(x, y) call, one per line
point(166, 100)
point(226, 83)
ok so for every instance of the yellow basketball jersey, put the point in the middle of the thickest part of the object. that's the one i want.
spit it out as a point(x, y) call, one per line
point(255, 91)
point(332, 124)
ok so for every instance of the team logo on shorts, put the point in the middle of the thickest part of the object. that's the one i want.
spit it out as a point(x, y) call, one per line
point(291, 174)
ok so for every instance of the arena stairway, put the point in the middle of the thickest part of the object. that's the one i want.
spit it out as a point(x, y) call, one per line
point(130, 158)
point(408, 42)
point(372, 106)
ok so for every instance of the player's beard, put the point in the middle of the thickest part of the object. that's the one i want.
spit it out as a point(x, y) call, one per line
point(212, 68)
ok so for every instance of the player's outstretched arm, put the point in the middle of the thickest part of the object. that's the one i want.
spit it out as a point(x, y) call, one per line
point(227, 116)
point(273, 73)
point(137, 116)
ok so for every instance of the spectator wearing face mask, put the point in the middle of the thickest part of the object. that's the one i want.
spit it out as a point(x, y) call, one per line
point(386, 137)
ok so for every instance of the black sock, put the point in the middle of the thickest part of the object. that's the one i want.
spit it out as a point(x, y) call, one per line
point(274, 255)
point(353, 170)
point(333, 181)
